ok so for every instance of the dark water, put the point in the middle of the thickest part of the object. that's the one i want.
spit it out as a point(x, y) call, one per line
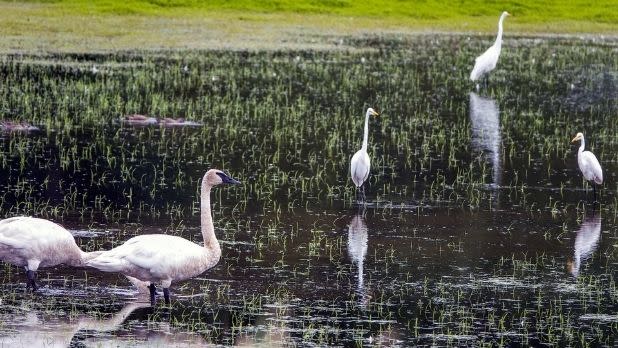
point(476, 230)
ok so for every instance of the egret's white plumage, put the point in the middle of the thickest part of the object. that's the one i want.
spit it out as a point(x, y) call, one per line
point(586, 242)
point(588, 163)
point(486, 62)
point(163, 259)
point(361, 164)
point(32, 243)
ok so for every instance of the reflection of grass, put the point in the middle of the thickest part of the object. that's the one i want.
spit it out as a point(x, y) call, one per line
point(83, 25)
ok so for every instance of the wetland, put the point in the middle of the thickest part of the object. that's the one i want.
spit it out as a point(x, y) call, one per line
point(477, 228)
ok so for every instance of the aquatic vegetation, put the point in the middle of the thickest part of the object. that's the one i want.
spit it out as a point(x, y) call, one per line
point(471, 216)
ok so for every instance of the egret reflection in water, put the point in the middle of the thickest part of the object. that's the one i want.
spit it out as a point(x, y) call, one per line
point(486, 133)
point(40, 329)
point(586, 242)
point(357, 250)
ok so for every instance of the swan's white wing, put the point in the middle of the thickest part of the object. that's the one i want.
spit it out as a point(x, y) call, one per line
point(158, 255)
point(29, 233)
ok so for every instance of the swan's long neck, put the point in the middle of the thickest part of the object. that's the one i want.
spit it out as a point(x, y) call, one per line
point(208, 229)
point(499, 37)
point(366, 135)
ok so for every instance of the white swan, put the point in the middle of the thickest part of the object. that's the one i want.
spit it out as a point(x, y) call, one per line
point(361, 164)
point(160, 258)
point(588, 164)
point(586, 242)
point(32, 243)
point(486, 62)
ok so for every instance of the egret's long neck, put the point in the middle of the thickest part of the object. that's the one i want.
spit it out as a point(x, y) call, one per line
point(581, 147)
point(499, 37)
point(208, 229)
point(366, 135)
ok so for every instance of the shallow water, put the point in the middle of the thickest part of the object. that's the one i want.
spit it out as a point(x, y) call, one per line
point(476, 228)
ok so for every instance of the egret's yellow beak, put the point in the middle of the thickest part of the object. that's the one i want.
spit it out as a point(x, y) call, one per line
point(508, 14)
point(375, 113)
point(575, 139)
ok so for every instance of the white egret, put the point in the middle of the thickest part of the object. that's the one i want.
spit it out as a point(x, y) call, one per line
point(361, 163)
point(588, 164)
point(160, 258)
point(486, 62)
point(32, 243)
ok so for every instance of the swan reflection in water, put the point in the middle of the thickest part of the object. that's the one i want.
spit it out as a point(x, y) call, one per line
point(586, 242)
point(486, 133)
point(41, 329)
point(357, 250)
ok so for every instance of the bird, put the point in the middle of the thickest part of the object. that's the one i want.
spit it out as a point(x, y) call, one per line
point(361, 163)
point(32, 243)
point(586, 242)
point(163, 259)
point(486, 62)
point(588, 164)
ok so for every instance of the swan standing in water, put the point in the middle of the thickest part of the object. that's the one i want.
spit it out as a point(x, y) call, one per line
point(588, 164)
point(361, 163)
point(586, 242)
point(357, 249)
point(160, 258)
point(32, 243)
point(486, 62)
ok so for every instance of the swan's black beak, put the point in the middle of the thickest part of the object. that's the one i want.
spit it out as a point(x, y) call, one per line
point(227, 179)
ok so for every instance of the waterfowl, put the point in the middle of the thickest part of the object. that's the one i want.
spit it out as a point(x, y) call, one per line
point(361, 163)
point(163, 259)
point(32, 243)
point(486, 62)
point(588, 164)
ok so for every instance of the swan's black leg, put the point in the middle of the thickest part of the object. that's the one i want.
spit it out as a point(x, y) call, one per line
point(166, 295)
point(31, 280)
point(153, 290)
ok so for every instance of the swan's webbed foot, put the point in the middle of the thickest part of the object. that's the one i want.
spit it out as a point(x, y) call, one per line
point(31, 283)
point(153, 291)
point(166, 295)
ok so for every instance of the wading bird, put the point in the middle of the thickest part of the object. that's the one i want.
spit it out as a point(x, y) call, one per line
point(486, 62)
point(163, 259)
point(360, 164)
point(588, 164)
point(32, 243)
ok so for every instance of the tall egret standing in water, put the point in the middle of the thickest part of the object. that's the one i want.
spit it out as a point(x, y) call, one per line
point(486, 62)
point(360, 164)
point(588, 164)
point(161, 258)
